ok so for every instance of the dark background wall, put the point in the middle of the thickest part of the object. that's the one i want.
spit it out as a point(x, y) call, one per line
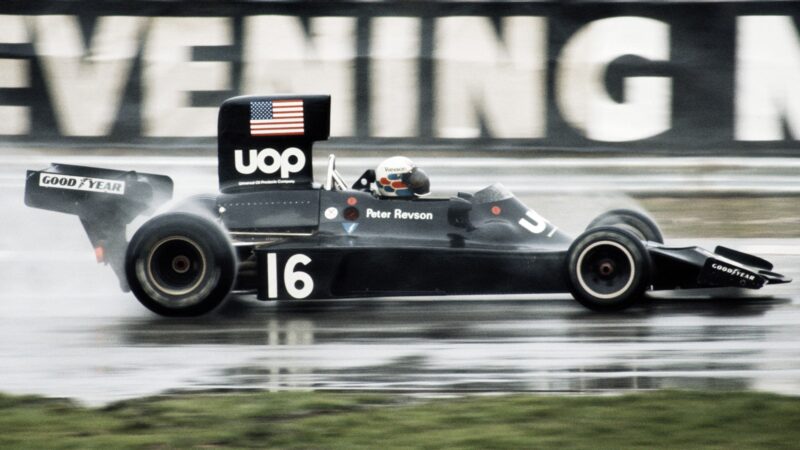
point(676, 77)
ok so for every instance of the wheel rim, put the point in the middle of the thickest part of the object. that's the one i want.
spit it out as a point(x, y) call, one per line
point(606, 269)
point(176, 265)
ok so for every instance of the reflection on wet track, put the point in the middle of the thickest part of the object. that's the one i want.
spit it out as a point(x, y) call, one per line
point(66, 330)
point(440, 346)
point(526, 345)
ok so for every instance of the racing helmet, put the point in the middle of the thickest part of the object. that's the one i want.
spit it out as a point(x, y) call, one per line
point(398, 176)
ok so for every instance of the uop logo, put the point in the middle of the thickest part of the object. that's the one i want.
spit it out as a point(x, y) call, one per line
point(58, 181)
point(269, 161)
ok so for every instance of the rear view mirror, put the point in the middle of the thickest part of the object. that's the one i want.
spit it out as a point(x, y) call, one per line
point(458, 213)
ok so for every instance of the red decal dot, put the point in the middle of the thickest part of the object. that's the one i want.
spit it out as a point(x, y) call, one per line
point(351, 214)
point(496, 210)
point(398, 185)
point(352, 201)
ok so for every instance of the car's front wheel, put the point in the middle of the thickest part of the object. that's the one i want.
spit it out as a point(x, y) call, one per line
point(639, 223)
point(609, 269)
point(180, 264)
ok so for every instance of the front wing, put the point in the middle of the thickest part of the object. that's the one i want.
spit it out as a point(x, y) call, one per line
point(695, 267)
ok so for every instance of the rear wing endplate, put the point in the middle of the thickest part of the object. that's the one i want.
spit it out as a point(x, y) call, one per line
point(105, 200)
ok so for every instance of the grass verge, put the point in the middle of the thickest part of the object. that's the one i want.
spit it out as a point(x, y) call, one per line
point(666, 419)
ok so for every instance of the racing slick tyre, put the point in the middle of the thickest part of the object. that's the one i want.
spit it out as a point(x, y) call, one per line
point(609, 269)
point(180, 264)
point(641, 224)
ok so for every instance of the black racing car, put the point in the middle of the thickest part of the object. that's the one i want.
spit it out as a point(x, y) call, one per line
point(273, 231)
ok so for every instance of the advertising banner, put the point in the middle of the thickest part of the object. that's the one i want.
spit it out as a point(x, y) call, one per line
point(690, 77)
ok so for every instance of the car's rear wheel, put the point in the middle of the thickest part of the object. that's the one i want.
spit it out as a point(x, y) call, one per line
point(201, 204)
point(609, 269)
point(180, 264)
point(639, 223)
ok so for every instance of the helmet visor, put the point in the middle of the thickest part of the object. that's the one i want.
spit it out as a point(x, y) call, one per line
point(417, 180)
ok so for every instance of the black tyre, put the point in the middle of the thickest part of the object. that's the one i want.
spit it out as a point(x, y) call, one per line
point(639, 223)
point(609, 269)
point(180, 264)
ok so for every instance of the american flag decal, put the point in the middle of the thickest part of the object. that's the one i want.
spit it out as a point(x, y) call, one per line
point(276, 118)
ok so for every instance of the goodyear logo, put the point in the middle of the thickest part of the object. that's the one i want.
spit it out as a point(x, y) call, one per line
point(733, 271)
point(58, 181)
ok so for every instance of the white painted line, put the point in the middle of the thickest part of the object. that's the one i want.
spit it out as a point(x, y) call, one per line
point(445, 161)
point(48, 255)
point(788, 250)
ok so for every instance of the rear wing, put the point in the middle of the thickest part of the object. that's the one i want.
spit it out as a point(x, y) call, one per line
point(265, 142)
point(93, 192)
point(105, 200)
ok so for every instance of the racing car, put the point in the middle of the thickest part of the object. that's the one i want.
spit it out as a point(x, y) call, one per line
point(273, 231)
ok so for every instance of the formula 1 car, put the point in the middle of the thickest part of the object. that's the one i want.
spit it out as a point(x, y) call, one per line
point(273, 231)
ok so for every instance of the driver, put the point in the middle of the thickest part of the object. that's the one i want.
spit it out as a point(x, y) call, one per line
point(398, 176)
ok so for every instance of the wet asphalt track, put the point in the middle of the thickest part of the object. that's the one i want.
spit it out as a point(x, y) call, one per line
point(66, 330)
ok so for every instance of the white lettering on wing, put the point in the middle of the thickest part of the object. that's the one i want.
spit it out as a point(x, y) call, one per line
point(59, 181)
